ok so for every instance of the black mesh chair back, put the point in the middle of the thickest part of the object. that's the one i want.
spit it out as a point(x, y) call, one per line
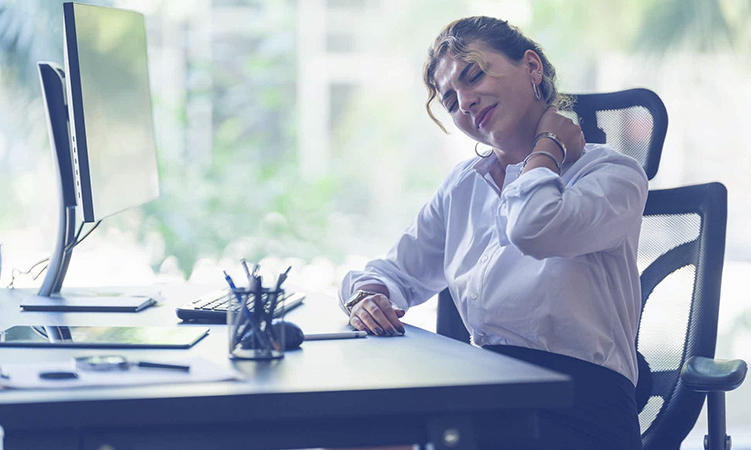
point(681, 252)
point(633, 121)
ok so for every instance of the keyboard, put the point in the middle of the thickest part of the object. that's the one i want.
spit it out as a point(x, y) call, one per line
point(212, 307)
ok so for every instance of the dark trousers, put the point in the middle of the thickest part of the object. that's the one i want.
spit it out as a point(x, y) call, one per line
point(604, 414)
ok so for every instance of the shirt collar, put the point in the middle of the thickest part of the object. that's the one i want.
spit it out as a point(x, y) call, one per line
point(484, 164)
point(481, 166)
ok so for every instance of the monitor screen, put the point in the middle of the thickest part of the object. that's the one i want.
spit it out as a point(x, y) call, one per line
point(112, 130)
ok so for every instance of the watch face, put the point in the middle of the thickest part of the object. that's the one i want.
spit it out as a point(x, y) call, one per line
point(355, 298)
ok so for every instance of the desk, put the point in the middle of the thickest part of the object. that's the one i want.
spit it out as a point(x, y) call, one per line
point(419, 387)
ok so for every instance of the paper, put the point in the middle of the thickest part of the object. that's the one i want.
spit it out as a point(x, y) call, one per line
point(26, 376)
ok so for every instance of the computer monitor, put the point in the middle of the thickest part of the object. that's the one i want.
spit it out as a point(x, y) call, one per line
point(100, 124)
point(112, 129)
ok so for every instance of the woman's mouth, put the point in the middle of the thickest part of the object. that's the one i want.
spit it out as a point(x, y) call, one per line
point(484, 116)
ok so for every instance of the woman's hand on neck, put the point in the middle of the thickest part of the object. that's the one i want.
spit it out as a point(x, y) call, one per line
point(514, 149)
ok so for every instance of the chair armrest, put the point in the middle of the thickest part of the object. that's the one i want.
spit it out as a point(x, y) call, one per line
point(712, 375)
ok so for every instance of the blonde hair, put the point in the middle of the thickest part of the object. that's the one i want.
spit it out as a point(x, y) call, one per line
point(500, 36)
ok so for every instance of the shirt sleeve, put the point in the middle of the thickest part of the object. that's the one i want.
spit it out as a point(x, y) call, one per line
point(595, 211)
point(413, 268)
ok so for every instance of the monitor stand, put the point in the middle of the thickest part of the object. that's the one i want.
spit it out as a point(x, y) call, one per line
point(83, 303)
point(52, 77)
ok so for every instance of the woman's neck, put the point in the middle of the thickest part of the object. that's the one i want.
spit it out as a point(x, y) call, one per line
point(517, 147)
point(515, 152)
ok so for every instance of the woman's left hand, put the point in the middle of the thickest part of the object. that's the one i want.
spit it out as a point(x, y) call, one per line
point(567, 131)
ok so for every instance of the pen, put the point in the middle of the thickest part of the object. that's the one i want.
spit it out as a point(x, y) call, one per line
point(258, 299)
point(275, 295)
point(152, 365)
point(234, 290)
point(248, 274)
point(282, 278)
point(231, 283)
point(241, 306)
point(250, 322)
point(339, 335)
point(247, 271)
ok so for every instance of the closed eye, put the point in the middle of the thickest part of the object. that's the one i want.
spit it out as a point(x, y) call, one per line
point(476, 76)
point(450, 103)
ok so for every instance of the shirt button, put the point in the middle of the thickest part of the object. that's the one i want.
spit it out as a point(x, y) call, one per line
point(473, 295)
point(484, 259)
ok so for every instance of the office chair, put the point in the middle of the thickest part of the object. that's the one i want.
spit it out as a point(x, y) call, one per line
point(633, 121)
point(680, 258)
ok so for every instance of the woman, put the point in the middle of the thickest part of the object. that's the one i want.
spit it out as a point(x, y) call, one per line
point(536, 239)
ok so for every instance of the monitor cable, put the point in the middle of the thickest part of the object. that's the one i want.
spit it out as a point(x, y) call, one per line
point(17, 272)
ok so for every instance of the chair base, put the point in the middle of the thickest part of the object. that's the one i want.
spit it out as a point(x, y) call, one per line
point(728, 443)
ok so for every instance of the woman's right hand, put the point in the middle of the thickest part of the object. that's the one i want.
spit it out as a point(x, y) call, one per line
point(377, 315)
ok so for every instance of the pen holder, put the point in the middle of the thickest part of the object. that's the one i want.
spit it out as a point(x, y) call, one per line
point(253, 331)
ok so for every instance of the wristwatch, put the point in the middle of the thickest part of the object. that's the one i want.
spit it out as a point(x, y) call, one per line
point(356, 298)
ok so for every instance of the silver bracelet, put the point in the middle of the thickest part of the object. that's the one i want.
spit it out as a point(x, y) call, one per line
point(553, 138)
point(549, 155)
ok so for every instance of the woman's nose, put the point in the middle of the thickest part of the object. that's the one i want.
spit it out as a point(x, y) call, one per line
point(467, 102)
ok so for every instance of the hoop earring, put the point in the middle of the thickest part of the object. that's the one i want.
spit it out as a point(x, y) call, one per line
point(536, 91)
point(482, 155)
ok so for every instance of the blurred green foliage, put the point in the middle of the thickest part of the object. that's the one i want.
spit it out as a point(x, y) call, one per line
point(250, 180)
point(247, 198)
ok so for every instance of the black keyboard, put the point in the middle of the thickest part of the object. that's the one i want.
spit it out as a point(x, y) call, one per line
point(212, 307)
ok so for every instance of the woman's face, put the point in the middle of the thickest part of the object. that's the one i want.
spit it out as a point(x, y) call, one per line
point(496, 108)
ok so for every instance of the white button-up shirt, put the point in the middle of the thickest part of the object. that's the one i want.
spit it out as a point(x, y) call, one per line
point(546, 262)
